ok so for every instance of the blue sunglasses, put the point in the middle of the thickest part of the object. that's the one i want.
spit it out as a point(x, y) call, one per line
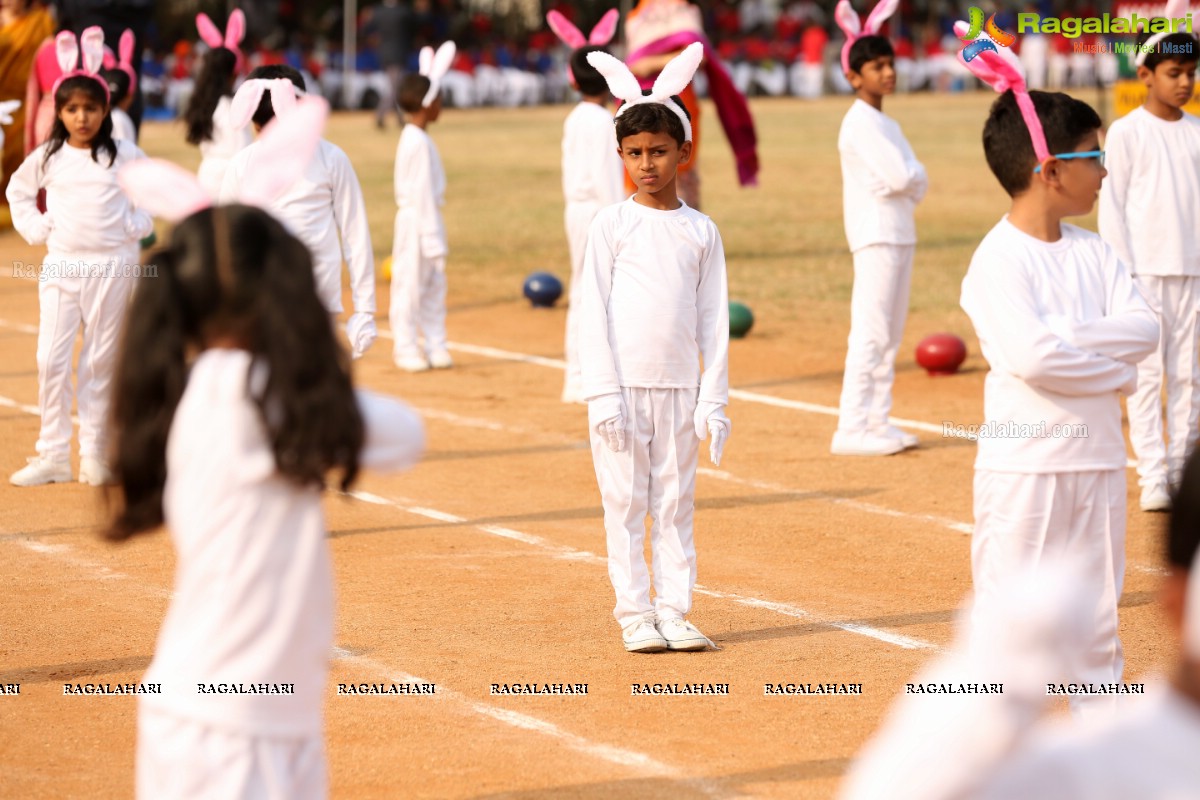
point(1096, 154)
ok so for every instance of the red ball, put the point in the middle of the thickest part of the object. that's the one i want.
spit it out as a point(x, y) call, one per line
point(941, 353)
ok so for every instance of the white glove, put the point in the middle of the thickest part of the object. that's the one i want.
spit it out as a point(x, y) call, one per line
point(606, 416)
point(360, 330)
point(138, 224)
point(710, 418)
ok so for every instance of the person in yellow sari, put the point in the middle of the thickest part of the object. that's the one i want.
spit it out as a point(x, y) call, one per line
point(23, 27)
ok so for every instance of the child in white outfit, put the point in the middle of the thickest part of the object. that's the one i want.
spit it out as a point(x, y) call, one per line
point(1150, 214)
point(882, 183)
point(91, 231)
point(654, 304)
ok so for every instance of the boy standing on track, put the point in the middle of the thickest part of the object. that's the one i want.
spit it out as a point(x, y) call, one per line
point(1150, 214)
point(654, 302)
point(1062, 326)
point(882, 183)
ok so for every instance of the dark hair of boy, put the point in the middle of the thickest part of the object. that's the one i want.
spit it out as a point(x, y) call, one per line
point(118, 85)
point(265, 111)
point(1008, 146)
point(413, 88)
point(590, 82)
point(652, 118)
point(1181, 48)
point(58, 134)
point(230, 272)
point(215, 81)
point(1183, 531)
point(869, 48)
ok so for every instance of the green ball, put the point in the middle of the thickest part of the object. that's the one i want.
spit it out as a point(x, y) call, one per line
point(149, 241)
point(741, 320)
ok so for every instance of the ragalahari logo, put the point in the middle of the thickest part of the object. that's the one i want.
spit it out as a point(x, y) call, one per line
point(995, 35)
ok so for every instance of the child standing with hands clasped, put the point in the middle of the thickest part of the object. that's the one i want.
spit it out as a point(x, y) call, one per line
point(1062, 326)
point(419, 246)
point(91, 231)
point(1150, 214)
point(654, 305)
point(233, 404)
point(882, 182)
point(591, 168)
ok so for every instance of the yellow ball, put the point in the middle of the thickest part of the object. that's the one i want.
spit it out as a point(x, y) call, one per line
point(386, 268)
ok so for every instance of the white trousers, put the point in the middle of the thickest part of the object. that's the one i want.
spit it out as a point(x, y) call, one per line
point(654, 475)
point(878, 310)
point(1075, 517)
point(1175, 300)
point(182, 760)
point(578, 217)
point(418, 297)
point(95, 297)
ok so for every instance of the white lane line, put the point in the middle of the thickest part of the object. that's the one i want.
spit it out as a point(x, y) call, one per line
point(565, 552)
point(19, 327)
point(66, 554)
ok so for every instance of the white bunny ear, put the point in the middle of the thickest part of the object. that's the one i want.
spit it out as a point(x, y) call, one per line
point(425, 61)
point(678, 72)
point(288, 143)
point(880, 15)
point(246, 101)
point(283, 96)
point(442, 60)
point(66, 49)
point(1176, 9)
point(92, 43)
point(621, 82)
point(7, 107)
point(163, 189)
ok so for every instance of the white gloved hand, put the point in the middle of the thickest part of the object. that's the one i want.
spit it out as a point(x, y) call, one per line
point(360, 330)
point(138, 224)
point(606, 416)
point(710, 418)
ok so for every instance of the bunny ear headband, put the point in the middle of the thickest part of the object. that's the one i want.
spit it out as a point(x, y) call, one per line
point(6, 110)
point(1003, 72)
point(573, 38)
point(235, 31)
point(673, 79)
point(283, 99)
point(170, 192)
point(124, 58)
point(435, 66)
point(854, 29)
point(1176, 9)
point(91, 42)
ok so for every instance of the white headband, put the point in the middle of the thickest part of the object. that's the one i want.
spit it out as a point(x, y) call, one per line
point(249, 95)
point(673, 79)
point(1176, 9)
point(7, 108)
point(435, 66)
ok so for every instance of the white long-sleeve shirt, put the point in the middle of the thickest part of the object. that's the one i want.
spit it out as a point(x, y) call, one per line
point(420, 187)
point(323, 205)
point(654, 302)
point(86, 211)
point(123, 127)
point(882, 181)
point(1150, 200)
point(591, 169)
point(1062, 327)
point(226, 142)
point(253, 600)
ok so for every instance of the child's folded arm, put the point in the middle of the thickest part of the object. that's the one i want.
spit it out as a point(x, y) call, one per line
point(887, 163)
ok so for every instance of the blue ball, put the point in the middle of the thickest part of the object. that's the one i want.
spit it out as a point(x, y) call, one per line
point(543, 289)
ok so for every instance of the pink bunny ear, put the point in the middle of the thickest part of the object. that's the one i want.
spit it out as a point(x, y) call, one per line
point(880, 15)
point(565, 30)
point(847, 19)
point(209, 33)
point(91, 42)
point(283, 96)
point(1176, 9)
point(235, 29)
point(287, 144)
point(606, 28)
point(163, 189)
point(245, 102)
point(125, 48)
point(996, 71)
point(66, 50)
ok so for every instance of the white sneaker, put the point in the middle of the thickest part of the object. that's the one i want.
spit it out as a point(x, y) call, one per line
point(412, 364)
point(440, 360)
point(682, 635)
point(907, 439)
point(641, 637)
point(94, 472)
point(42, 470)
point(1155, 497)
point(864, 444)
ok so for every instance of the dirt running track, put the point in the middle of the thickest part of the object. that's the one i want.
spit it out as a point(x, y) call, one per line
point(484, 566)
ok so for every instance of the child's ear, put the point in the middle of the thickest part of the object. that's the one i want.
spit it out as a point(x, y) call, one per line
point(1145, 75)
point(685, 153)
